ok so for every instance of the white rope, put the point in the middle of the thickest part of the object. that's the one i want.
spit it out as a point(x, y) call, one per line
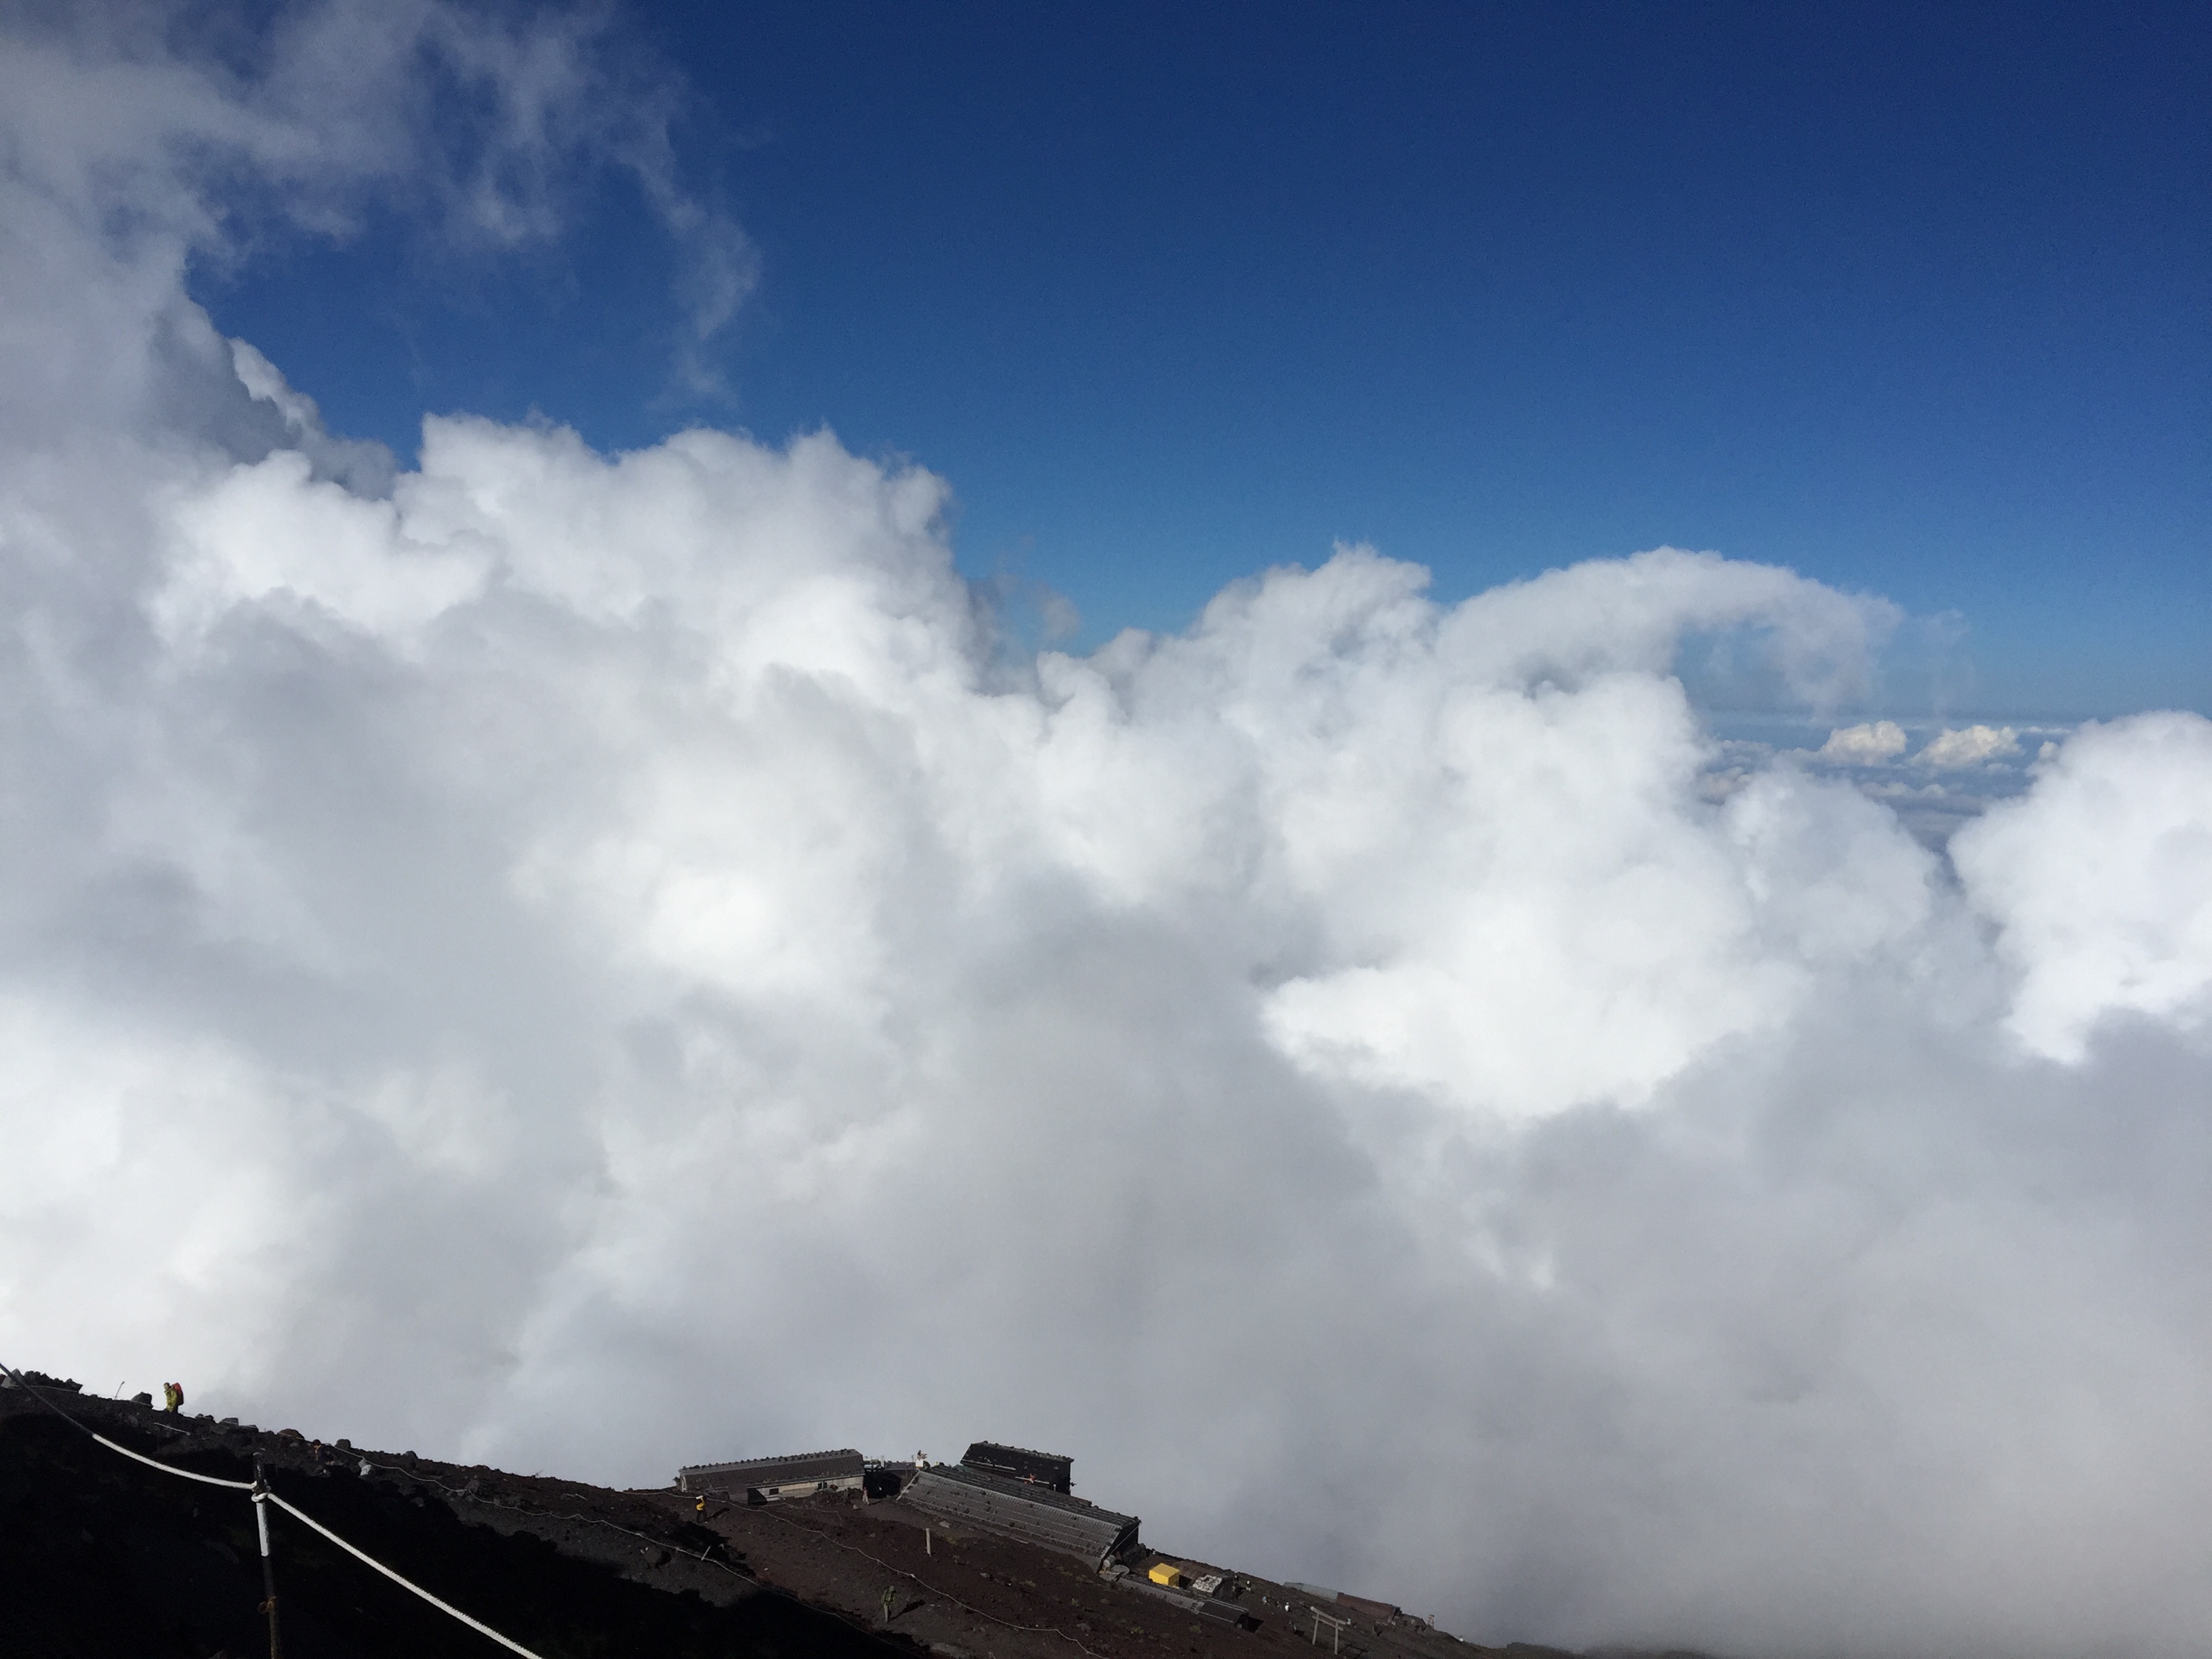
point(442, 1607)
point(25, 1385)
point(261, 1495)
point(165, 1468)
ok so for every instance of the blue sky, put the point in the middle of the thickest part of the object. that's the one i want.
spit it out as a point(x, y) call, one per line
point(1913, 299)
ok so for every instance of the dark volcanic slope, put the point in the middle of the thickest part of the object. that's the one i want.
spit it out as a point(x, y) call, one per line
point(100, 1555)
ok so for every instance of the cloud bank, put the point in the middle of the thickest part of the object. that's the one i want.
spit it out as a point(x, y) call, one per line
point(589, 962)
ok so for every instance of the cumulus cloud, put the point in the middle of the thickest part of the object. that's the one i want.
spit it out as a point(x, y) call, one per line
point(1874, 744)
point(2102, 881)
point(1972, 745)
point(595, 961)
point(1951, 779)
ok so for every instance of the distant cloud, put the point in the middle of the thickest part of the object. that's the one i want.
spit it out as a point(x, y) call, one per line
point(588, 961)
point(1864, 745)
point(134, 146)
point(1972, 745)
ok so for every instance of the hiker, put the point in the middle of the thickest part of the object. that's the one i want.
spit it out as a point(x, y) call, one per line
point(172, 1396)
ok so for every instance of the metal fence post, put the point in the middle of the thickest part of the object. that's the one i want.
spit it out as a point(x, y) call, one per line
point(268, 1565)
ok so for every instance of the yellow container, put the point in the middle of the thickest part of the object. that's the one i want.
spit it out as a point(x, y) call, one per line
point(1166, 1572)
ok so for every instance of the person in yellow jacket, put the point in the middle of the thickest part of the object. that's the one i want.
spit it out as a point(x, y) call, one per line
point(172, 1396)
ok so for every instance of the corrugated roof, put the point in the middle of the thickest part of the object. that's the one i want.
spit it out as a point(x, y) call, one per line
point(843, 1464)
point(1023, 1509)
point(1020, 1462)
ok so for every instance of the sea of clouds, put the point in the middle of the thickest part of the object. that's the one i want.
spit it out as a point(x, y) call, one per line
point(590, 961)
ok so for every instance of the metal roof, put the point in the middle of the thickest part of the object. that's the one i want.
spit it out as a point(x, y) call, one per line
point(1024, 1509)
point(1021, 1463)
point(844, 1465)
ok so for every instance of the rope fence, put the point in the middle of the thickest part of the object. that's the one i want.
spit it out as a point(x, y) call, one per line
point(260, 1494)
point(508, 1641)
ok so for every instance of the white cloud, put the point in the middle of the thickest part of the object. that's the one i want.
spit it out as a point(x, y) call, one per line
point(591, 960)
point(272, 532)
point(1972, 745)
point(1872, 745)
point(2101, 880)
